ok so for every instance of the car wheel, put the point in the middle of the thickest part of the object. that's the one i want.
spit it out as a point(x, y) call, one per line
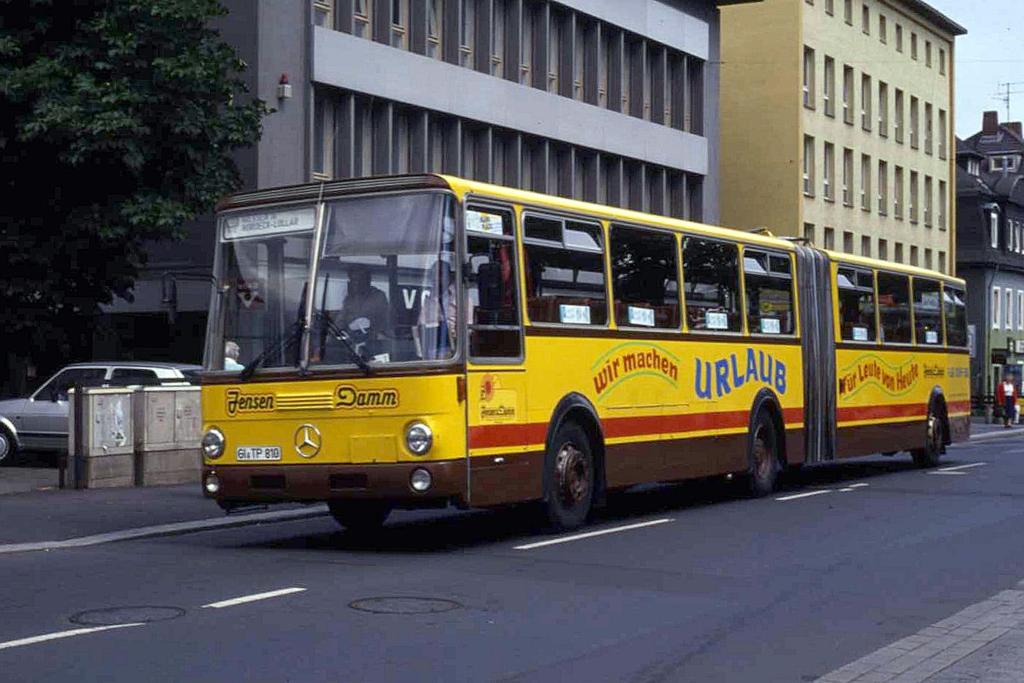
point(6, 447)
point(569, 478)
point(359, 516)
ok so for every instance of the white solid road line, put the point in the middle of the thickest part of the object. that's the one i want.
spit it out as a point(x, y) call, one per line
point(960, 467)
point(254, 597)
point(61, 634)
point(858, 485)
point(591, 534)
point(804, 495)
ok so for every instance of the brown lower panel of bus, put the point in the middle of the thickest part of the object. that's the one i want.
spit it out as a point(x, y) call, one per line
point(275, 483)
point(881, 438)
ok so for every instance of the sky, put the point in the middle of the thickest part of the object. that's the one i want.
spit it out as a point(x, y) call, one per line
point(991, 53)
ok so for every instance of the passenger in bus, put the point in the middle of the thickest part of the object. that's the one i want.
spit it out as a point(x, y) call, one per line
point(434, 333)
point(231, 354)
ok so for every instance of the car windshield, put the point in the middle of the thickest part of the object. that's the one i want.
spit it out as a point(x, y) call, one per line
point(263, 271)
point(386, 281)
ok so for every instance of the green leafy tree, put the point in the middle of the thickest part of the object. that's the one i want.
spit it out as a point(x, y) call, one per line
point(117, 123)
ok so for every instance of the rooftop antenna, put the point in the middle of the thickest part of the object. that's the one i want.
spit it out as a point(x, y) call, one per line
point(1005, 92)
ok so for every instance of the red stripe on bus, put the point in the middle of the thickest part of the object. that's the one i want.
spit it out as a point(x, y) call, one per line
point(881, 412)
point(492, 436)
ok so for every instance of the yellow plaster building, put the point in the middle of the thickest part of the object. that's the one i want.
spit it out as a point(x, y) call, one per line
point(837, 125)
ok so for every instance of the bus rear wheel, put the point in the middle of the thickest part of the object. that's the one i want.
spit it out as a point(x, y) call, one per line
point(934, 439)
point(763, 456)
point(359, 516)
point(569, 478)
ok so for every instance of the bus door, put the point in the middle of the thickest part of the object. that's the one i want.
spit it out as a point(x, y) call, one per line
point(502, 465)
point(819, 354)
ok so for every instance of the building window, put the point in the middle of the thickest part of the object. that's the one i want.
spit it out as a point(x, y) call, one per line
point(897, 255)
point(1020, 309)
point(848, 177)
point(848, 242)
point(942, 205)
point(974, 167)
point(883, 188)
point(942, 134)
point(498, 40)
point(323, 13)
point(883, 109)
point(434, 24)
point(915, 124)
point(830, 239)
point(1008, 308)
point(928, 207)
point(942, 61)
point(913, 196)
point(942, 262)
point(830, 86)
point(897, 186)
point(808, 166)
point(555, 51)
point(883, 249)
point(361, 16)
point(913, 45)
point(399, 23)
point(928, 258)
point(898, 116)
point(865, 20)
point(997, 301)
point(899, 38)
point(993, 222)
point(675, 76)
point(808, 77)
point(913, 254)
point(928, 130)
point(928, 53)
point(830, 7)
point(865, 246)
point(828, 171)
point(865, 182)
point(883, 30)
point(848, 94)
point(526, 49)
point(467, 32)
point(865, 102)
point(809, 232)
point(848, 11)
point(322, 163)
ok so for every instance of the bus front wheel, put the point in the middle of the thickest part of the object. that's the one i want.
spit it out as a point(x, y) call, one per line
point(763, 455)
point(359, 515)
point(934, 438)
point(569, 478)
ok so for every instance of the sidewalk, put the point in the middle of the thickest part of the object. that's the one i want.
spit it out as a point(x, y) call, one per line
point(982, 431)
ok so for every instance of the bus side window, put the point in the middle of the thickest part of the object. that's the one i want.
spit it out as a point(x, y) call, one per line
point(492, 301)
point(894, 305)
point(644, 278)
point(711, 281)
point(769, 282)
point(956, 316)
point(565, 278)
point(927, 314)
point(856, 289)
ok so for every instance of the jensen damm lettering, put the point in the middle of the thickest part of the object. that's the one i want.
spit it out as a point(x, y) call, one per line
point(237, 402)
point(347, 396)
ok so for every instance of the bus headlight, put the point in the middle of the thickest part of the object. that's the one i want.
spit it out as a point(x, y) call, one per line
point(420, 480)
point(419, 438)
point(213, 443)
point(212, 484)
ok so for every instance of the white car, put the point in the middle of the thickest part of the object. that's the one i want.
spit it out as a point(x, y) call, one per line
point(40, 422)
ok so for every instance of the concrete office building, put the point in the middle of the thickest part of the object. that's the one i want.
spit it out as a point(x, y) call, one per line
point(837, 125)
point(602, 100)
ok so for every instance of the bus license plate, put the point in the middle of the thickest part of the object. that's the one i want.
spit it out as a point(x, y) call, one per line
point(257, 453)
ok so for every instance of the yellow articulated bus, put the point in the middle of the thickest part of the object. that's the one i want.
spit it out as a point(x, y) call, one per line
point(424, 341)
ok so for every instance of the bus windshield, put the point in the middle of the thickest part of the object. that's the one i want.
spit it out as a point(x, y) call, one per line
point(386, 282)
point(385, 288)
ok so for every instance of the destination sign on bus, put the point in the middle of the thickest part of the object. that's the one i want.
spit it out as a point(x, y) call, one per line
point(269, 223)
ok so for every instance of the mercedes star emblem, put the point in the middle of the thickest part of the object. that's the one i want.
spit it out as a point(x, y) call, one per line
point(307, 441)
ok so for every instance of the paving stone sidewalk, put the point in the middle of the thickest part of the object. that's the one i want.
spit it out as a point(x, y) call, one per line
point(984, 642)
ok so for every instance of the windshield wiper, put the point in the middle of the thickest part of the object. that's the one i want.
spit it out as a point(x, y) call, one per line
point(346, 340)
point(286, 339)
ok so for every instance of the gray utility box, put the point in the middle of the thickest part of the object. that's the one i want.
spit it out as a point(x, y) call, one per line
point(167, 433)
point(105, 455)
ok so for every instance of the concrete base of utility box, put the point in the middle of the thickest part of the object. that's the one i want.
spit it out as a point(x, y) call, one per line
point(157, 468)
point(109, 471)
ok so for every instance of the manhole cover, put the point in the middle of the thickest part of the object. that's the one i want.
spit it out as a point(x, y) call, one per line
point(404, 605)
point(113, 616)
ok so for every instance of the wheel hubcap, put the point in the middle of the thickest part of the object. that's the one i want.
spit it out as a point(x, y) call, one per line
point(934, 434)
point(5, 446)
point(762, 457)
point(573, 470)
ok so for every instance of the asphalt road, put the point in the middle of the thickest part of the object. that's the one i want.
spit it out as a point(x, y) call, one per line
point(692, 583)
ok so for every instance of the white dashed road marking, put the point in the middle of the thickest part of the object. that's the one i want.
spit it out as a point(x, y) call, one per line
point(254, 597)
point(795, 496)
point(591, 534)
point(960, 467)
point(60, 634)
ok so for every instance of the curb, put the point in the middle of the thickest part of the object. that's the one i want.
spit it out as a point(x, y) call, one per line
point(173, 529)
point(997, 434)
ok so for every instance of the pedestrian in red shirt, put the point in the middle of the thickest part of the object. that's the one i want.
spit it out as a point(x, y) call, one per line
point(1006, 397)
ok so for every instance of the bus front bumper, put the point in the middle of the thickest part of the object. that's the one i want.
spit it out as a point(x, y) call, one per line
point(246, 484)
